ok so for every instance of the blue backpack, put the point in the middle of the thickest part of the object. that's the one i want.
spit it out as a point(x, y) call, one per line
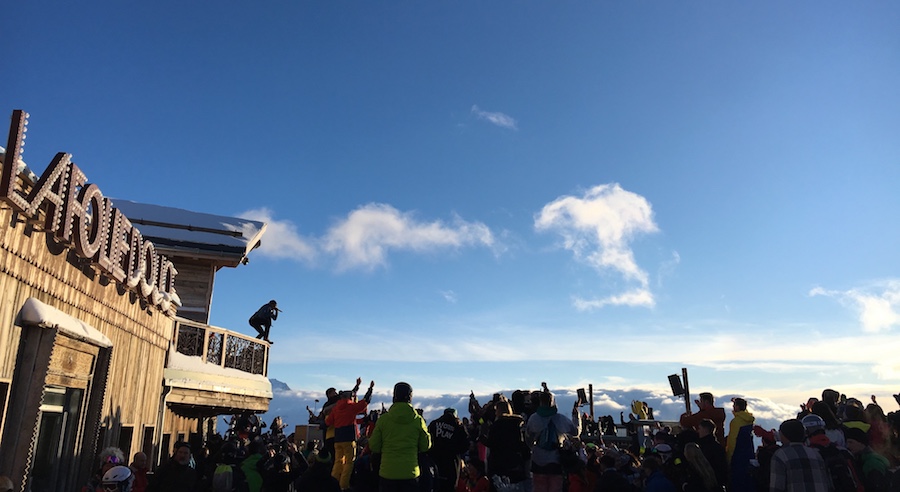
point(549, 438)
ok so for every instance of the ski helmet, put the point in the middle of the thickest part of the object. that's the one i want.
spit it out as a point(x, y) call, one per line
point(120, 476)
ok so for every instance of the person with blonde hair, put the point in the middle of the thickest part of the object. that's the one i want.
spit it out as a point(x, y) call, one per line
point(700, 474)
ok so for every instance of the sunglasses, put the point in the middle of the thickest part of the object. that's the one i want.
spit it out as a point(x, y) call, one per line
point(113, 460)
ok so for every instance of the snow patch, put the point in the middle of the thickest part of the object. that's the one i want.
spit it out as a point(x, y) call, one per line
point(35, 312)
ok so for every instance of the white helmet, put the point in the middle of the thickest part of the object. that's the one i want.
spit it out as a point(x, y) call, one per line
point(119, 475)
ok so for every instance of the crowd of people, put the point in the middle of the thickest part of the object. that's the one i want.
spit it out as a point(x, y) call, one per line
point(524, 443)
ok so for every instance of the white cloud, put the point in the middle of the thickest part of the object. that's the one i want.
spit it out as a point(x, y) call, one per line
point(598, 228)
point(637, 297)
point(363, 239)
point(667, 268)
point(281, 239)
point(876, 305)
point(449, 296)
point(499, 119)
point(291, 405)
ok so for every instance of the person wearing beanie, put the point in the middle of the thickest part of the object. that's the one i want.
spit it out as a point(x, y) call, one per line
point(838, 460)
point(546, 429)
point(764, 454)
point(872, 466)
point(449, 443)
point(261, 321)
point(796, 467)
point(398, 438)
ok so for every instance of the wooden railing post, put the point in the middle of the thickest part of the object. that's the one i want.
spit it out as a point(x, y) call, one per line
point(225, 337)
point(205, 341)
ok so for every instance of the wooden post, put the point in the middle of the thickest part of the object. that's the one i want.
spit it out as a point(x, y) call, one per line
point(591, 391)
point(687, 391)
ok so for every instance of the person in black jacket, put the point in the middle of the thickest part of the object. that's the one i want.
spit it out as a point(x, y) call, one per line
point(176, 475)
point(610, 478)
point(713, 450)
point(449, 442)
point(509, 455)
point(262, 319)
point(318, 477)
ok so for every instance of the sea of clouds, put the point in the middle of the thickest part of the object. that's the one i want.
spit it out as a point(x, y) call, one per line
point(291, 405)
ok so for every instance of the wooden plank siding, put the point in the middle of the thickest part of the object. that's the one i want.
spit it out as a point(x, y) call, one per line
point(128, 399)
point(195, 288)
point(33, 265)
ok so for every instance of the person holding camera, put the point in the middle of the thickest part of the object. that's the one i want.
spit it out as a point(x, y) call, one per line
point(708, 410)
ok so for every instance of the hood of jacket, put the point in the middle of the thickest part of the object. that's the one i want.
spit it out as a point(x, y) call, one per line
point(743, 418)
point(546, 411)
point(401, 411)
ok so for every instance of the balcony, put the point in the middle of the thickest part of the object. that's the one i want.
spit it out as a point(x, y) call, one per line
point(214, 371)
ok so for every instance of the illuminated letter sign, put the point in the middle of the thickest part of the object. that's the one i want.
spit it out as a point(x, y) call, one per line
point(77, 215)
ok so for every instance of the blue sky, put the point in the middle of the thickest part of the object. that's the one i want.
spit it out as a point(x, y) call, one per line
point(487, 195)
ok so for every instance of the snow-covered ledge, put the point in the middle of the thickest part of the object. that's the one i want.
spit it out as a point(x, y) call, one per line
point(35, 312)
point(184, 371)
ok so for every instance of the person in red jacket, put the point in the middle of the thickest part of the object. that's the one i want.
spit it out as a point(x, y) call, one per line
point(343, 418)
point(708, 410)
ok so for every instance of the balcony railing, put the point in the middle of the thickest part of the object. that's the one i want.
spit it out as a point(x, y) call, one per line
point(221, 347)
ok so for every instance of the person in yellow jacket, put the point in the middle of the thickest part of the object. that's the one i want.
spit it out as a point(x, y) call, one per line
point(399, 436)
point(739, 447)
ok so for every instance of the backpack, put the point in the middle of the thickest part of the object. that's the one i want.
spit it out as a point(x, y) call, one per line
point(228, 478)
point(840, 467)
point(549, 437)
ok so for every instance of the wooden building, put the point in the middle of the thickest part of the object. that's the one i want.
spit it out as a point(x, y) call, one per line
point(104, 339)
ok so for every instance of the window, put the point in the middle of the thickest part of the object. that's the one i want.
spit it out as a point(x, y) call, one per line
point(166, 443)
point(147, 443)
point(126, 434)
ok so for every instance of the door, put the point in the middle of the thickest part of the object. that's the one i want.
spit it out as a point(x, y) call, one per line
point(54, 452)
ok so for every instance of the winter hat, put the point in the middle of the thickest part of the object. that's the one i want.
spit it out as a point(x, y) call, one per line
point(402, 392)
point(793, 430)
point(857, 435)
point(450, 411)
point(664, 451)
point(813, 423)
point(323, 457)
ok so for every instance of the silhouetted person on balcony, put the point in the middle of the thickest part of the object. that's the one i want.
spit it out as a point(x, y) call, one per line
point(262, 319)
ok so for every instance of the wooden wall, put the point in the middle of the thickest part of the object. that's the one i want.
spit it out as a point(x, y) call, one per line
point(33, 265)
point(195, 287)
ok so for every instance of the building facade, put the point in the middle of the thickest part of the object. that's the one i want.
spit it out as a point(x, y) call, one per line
point(94, 350)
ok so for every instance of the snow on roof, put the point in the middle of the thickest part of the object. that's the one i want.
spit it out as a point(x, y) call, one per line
point(35, 312)
point(177, 227)
point(184, 371)
point(21, 167)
